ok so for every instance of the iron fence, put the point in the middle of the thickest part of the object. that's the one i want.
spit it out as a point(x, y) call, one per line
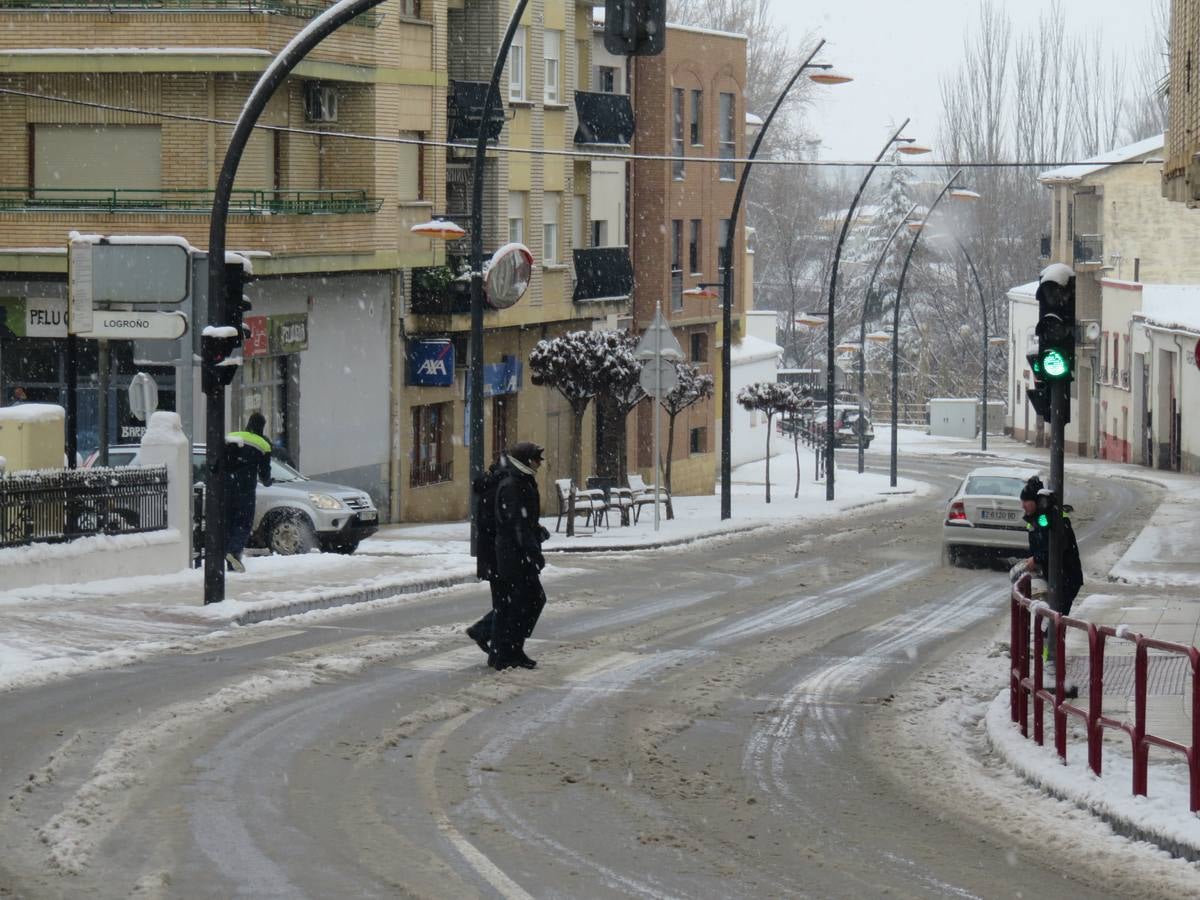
point(187, 201)
point(58, 506)
point(297, 10)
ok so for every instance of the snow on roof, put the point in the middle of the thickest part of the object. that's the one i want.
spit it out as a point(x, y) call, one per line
point(1171, 305)
point(695, 29)
point(1103, 161)
point(754, 121)
point(752, 348)
point(32, 412)
point(1023, 290)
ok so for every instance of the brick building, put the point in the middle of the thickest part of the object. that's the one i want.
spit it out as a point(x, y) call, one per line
point(688, 101)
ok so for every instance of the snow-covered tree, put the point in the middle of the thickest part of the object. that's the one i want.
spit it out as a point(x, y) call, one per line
point(772, 399)
point(579, 365)
point(692, 387)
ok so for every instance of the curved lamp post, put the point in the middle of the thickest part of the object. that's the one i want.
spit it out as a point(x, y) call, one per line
point(824, 75)
point(268, 83)
point(967, 195)
point(911, 148)
point(862, 328)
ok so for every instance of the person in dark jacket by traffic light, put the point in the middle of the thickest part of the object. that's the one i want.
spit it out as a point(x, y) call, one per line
point(484, 488)
point(1038, 562)
point(519, 560)
point(247, 461)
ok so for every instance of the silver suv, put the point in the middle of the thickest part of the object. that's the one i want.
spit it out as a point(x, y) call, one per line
point(295, 514)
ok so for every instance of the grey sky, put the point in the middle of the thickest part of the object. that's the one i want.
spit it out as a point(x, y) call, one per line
point(897, 50)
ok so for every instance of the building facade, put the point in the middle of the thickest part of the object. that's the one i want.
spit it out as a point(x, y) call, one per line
point(1181, 169)
point(688, 103)
point(116, 122)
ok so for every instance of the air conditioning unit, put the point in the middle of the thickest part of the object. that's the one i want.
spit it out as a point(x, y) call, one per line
point(320, 102)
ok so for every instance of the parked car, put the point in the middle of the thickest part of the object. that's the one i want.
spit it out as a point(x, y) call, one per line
point(846, 424)
point(295, 514)
point(985, 515)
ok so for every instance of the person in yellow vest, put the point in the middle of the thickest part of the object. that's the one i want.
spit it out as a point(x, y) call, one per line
point(247, 461)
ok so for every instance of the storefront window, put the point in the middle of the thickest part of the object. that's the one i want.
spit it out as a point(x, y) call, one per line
point(265, 389)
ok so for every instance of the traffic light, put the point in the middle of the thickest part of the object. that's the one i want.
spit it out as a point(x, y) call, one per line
point(635, 27)
point(1056, 324)
point(236, 302)
point(220, 345)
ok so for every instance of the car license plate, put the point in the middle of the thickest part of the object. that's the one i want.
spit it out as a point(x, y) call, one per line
point(1002, 514)
point(368, 515)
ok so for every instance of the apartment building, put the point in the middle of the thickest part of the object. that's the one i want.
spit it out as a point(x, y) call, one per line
point(542, 198)
point(1136, 281)
point(688, 101)
point(1181, 169)
point(116, 124)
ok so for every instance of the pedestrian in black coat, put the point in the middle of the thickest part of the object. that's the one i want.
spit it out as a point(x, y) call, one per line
point(1038, 562)
point(484, 488)
point(519, 560)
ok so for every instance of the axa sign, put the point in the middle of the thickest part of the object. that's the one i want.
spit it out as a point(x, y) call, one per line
point(431, 363)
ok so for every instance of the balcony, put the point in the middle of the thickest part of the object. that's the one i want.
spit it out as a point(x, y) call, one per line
point(1044, 249)
point(603, 119)
point(464, 110)
point(185, 201)
point(603, 273)
point(242, 7)
point(1088, 250)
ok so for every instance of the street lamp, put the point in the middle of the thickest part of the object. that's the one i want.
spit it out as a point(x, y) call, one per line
point(476, 386)
point(440, 229)
point(909, 146)
point(822, 74)
point(862, 329)
point(918, 227)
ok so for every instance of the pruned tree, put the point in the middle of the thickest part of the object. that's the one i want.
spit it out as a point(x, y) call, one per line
point(803, 403)
point(693, 387)
point(771, 399)
point(579, 364)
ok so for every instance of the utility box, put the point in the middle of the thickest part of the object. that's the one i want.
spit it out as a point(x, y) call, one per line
point(953, 417)
point(32, 436)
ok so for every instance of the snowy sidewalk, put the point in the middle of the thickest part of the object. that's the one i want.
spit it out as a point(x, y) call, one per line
point(53, 631)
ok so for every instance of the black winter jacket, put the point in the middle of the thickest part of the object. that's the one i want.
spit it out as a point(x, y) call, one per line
point(485, 520)
point(1039, 549)
point(519, 533)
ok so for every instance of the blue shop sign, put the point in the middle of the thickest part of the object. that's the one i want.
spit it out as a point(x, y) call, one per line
point(503, 377)
point(431, 363)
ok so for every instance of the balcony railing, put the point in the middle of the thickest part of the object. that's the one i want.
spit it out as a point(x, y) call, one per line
point(267, 7)
point(1089, 249)
point(603, 118)
point(603, 273)
point(185, 201)
point(433, 296)
point(464, 111)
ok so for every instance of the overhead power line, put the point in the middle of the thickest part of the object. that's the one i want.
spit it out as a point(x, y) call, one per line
point(577, 154)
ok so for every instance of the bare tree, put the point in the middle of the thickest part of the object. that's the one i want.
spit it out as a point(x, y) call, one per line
point(692, 387)
point(1147, 114)
point(771, 399)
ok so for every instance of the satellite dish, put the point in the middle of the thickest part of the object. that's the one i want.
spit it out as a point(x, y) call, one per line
point(1091, 331)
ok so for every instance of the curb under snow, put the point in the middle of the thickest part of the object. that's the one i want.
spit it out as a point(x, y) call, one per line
point(1162, 819)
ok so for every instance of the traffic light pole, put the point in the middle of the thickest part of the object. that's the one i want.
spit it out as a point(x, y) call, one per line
point(1060, 405)
point(275, 75)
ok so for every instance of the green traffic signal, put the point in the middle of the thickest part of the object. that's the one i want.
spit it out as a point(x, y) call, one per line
point(1055, 365)
point(1043, 521)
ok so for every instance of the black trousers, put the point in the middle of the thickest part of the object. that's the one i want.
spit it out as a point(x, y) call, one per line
point(518, 604)
point(486, 625)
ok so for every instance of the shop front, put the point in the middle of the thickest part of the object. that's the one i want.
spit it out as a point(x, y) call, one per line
point(270, 371)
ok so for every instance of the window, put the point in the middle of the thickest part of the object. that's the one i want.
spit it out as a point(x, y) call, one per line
point(551, 209)
point(694, 247)
point(599, 233)
point(698, 440)
point(728, 143)
point(432, 454)
point(516, 64)
point(410, 8)
point(699, 347)
point(697, 104)
point(552, 50)
point(722, 237)
point(606, 79)
point(677, 132)
point(410, 175)
point(676, 264)
point(518, 201)
point(103, 157)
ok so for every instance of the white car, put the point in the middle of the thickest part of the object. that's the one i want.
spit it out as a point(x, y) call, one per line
point(985, 515)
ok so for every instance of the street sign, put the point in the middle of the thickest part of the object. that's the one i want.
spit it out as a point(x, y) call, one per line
point(116, 325)
point(128, 272)
point(658, 340)
point(658, 378)
point(143, 396)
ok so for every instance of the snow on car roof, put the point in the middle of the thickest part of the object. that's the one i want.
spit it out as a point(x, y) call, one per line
point(1004, 471)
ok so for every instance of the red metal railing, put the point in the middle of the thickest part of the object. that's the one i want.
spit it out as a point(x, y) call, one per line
point(1023, 686)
